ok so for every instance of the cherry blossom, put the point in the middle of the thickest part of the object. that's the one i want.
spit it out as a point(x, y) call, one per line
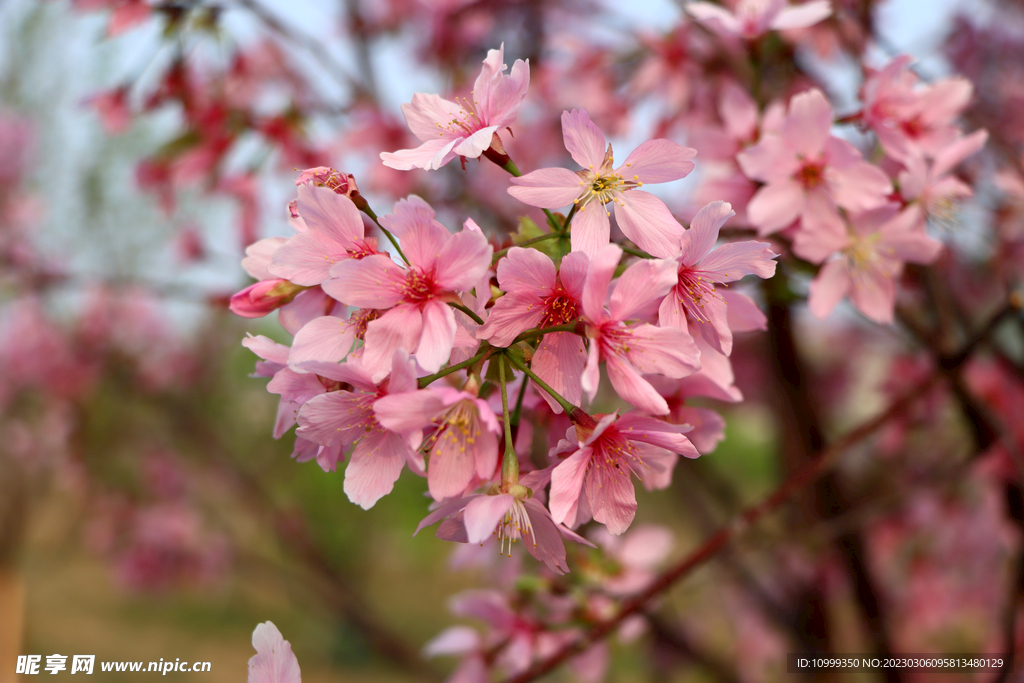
point(274, 661)
point(463, 128)
point(642, 217)
point(754, 18)
point(594, 480)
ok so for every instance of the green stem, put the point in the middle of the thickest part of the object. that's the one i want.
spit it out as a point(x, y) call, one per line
point(519, 403)
point(636, 252)
point(538, 331)
point(501, 252)
point(566, 406)
point(369, 212)
point(477, 319)
point(424, 381)
point(509, 463)
point(572, 212)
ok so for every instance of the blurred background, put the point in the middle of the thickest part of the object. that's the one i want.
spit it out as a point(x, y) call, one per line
point(147, 512)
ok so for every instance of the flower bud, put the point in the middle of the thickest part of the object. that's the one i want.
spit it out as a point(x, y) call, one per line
point(257, 300)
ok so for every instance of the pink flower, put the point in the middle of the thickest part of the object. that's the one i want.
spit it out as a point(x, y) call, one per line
point(417, 318)
point(808, 173)
point(636, 556)
point(263, 297)
point(933, 188)
point(339, 419)
point(331, 231)
point(754, 18)
point(274, 661)
point(538, 296)
point(630, 351)
point(512, 517)
point(910, 119)
point(642, 217)
point(595, 479)
point(878, 244)
point(701, 266)
point(463, 129)
point(464, 442)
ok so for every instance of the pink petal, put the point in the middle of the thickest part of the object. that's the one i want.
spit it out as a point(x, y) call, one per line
point(326, 339)
point(463, 261)
point(547, 188)
point(829, 287)
point(333, 418)
point(646, 220)
point(450, 470)
point(671, 312)
point(483, 515)
point(526, 271)
point(633, 388)
point(657, 433)
point(473, 146)
point(426, 111)
point(572, 273)
point(946, 160)
point(802, 16)
point(808, 123)
point(437, 336)
point(431, 155)
point(274, 661)
point(399, 328)
point(735, 260)
point(511, 315)
point(267, 349)
point(455, 640)
point(700, 238)
point(295, 387)
point(874, 294)
point(775, 206)
point(566, 486)
point(643, 283)
point(374, 467)
point(771, 160)
point(595, 289)
point(860, 187)
point(742, 313)
point(583, 139)
point(664, 351)
point(591, 229)
point(259, 255)
point(658, 161)
point(545, 543)
point(592, 372)
point(612, 497)
point(559, 361)
point(333, 214)
point(822, 231)
point(306, 306)
point(738, 111)
point(306, 258)
point(708, 427)
point(715, 17)
point(372, 282)
point(444, 510)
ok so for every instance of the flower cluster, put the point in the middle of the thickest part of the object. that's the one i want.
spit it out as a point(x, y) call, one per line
point(437, 353)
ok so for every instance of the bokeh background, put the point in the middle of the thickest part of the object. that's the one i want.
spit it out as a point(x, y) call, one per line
point(145, 509)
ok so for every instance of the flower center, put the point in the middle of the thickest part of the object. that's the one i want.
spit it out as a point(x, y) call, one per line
point(515, 525)
point(362, 318)
point(419, 286)
point(559, 308)
point(467, 121)
point(694, 292)
point(811, 175)
point(457, 428)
